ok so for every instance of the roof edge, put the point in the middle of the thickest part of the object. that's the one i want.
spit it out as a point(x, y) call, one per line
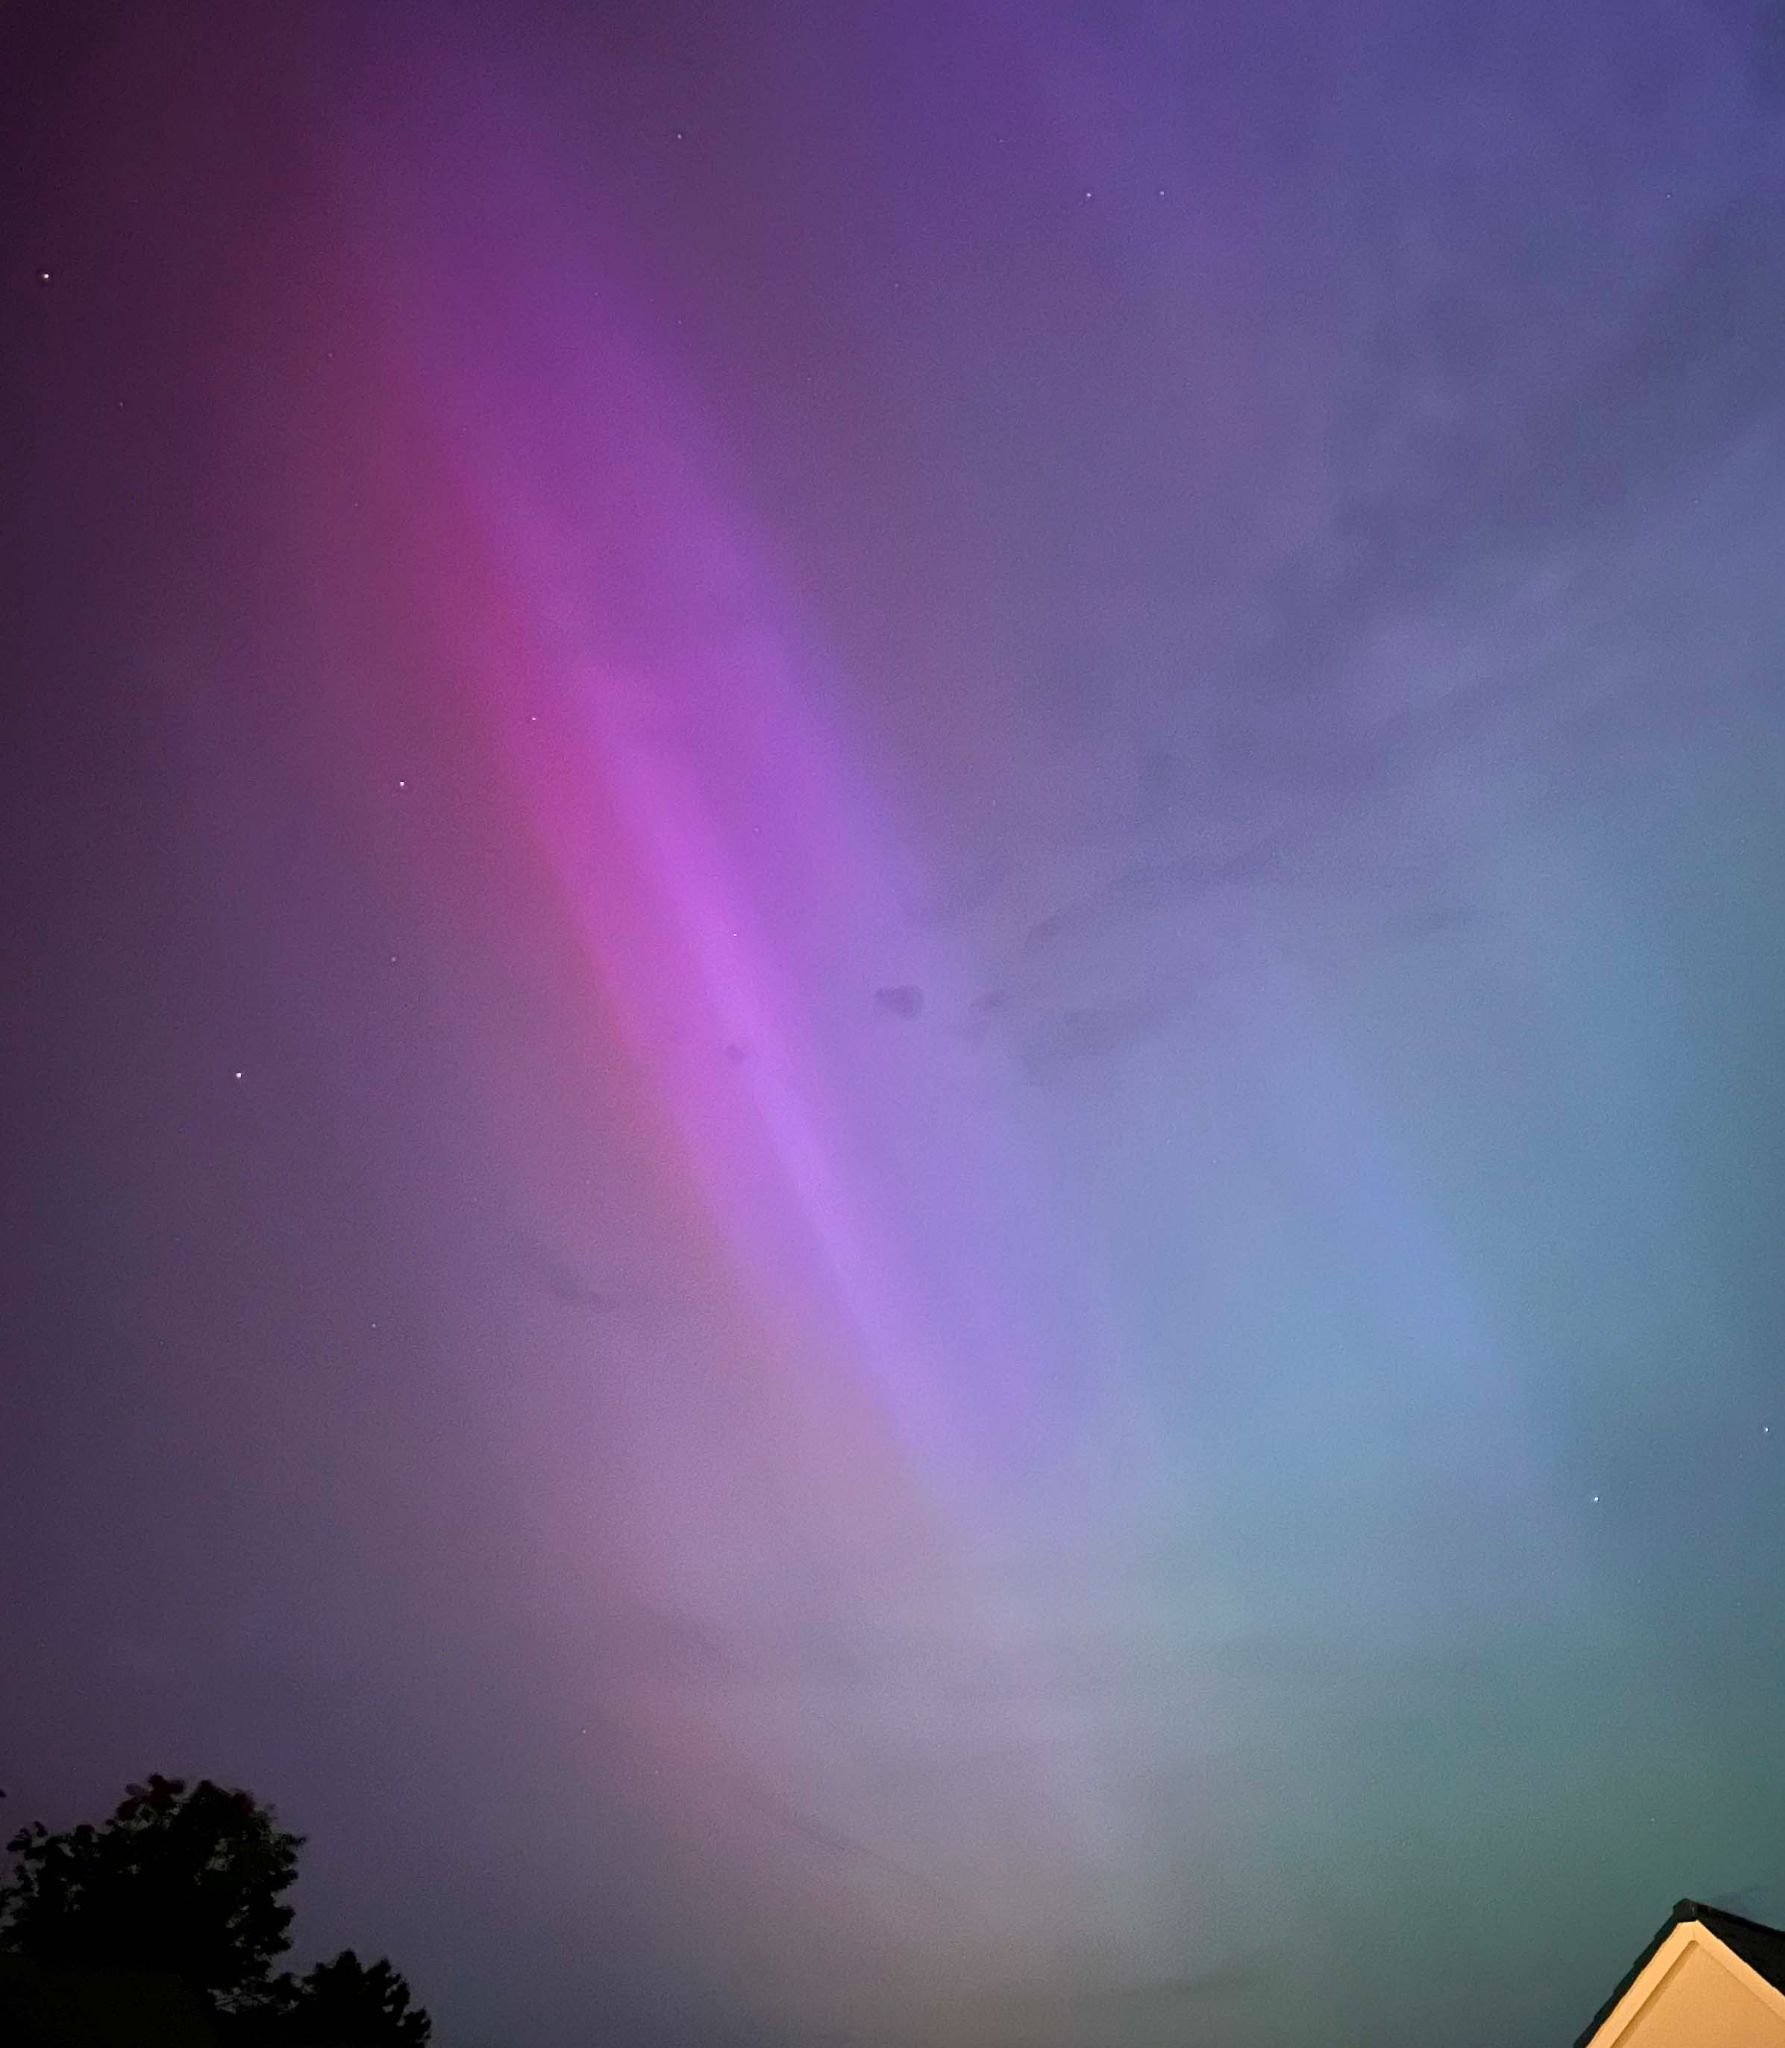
point(1685, 1911)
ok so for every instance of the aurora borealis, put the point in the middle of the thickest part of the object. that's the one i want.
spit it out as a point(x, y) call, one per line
point(896, 920)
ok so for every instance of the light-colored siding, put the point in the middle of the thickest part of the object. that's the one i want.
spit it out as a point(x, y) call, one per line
point(1695, 1993)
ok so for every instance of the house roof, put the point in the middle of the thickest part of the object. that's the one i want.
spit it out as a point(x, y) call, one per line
point(1761, 1948)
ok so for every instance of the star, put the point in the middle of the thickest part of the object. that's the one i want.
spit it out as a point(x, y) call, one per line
point(238, 1073)
point(401, 784)
point(43, 277)
point(1595, 1500)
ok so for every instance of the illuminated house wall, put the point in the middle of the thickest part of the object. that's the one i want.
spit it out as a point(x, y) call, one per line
point(1708, 1980)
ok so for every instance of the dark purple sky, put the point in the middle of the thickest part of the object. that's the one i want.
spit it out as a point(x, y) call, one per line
point(890, 1019)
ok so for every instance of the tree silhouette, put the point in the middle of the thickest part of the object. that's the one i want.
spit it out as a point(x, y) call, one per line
point(162, 1925)
point(349, 2004)
point(182, 1883)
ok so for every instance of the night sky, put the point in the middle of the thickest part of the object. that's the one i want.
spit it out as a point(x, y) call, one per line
point(894, 947)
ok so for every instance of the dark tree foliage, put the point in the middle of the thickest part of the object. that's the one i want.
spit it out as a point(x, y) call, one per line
point(350, 2004)
point(98, 2009)
point(161, 1926)
point(182, 1881)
